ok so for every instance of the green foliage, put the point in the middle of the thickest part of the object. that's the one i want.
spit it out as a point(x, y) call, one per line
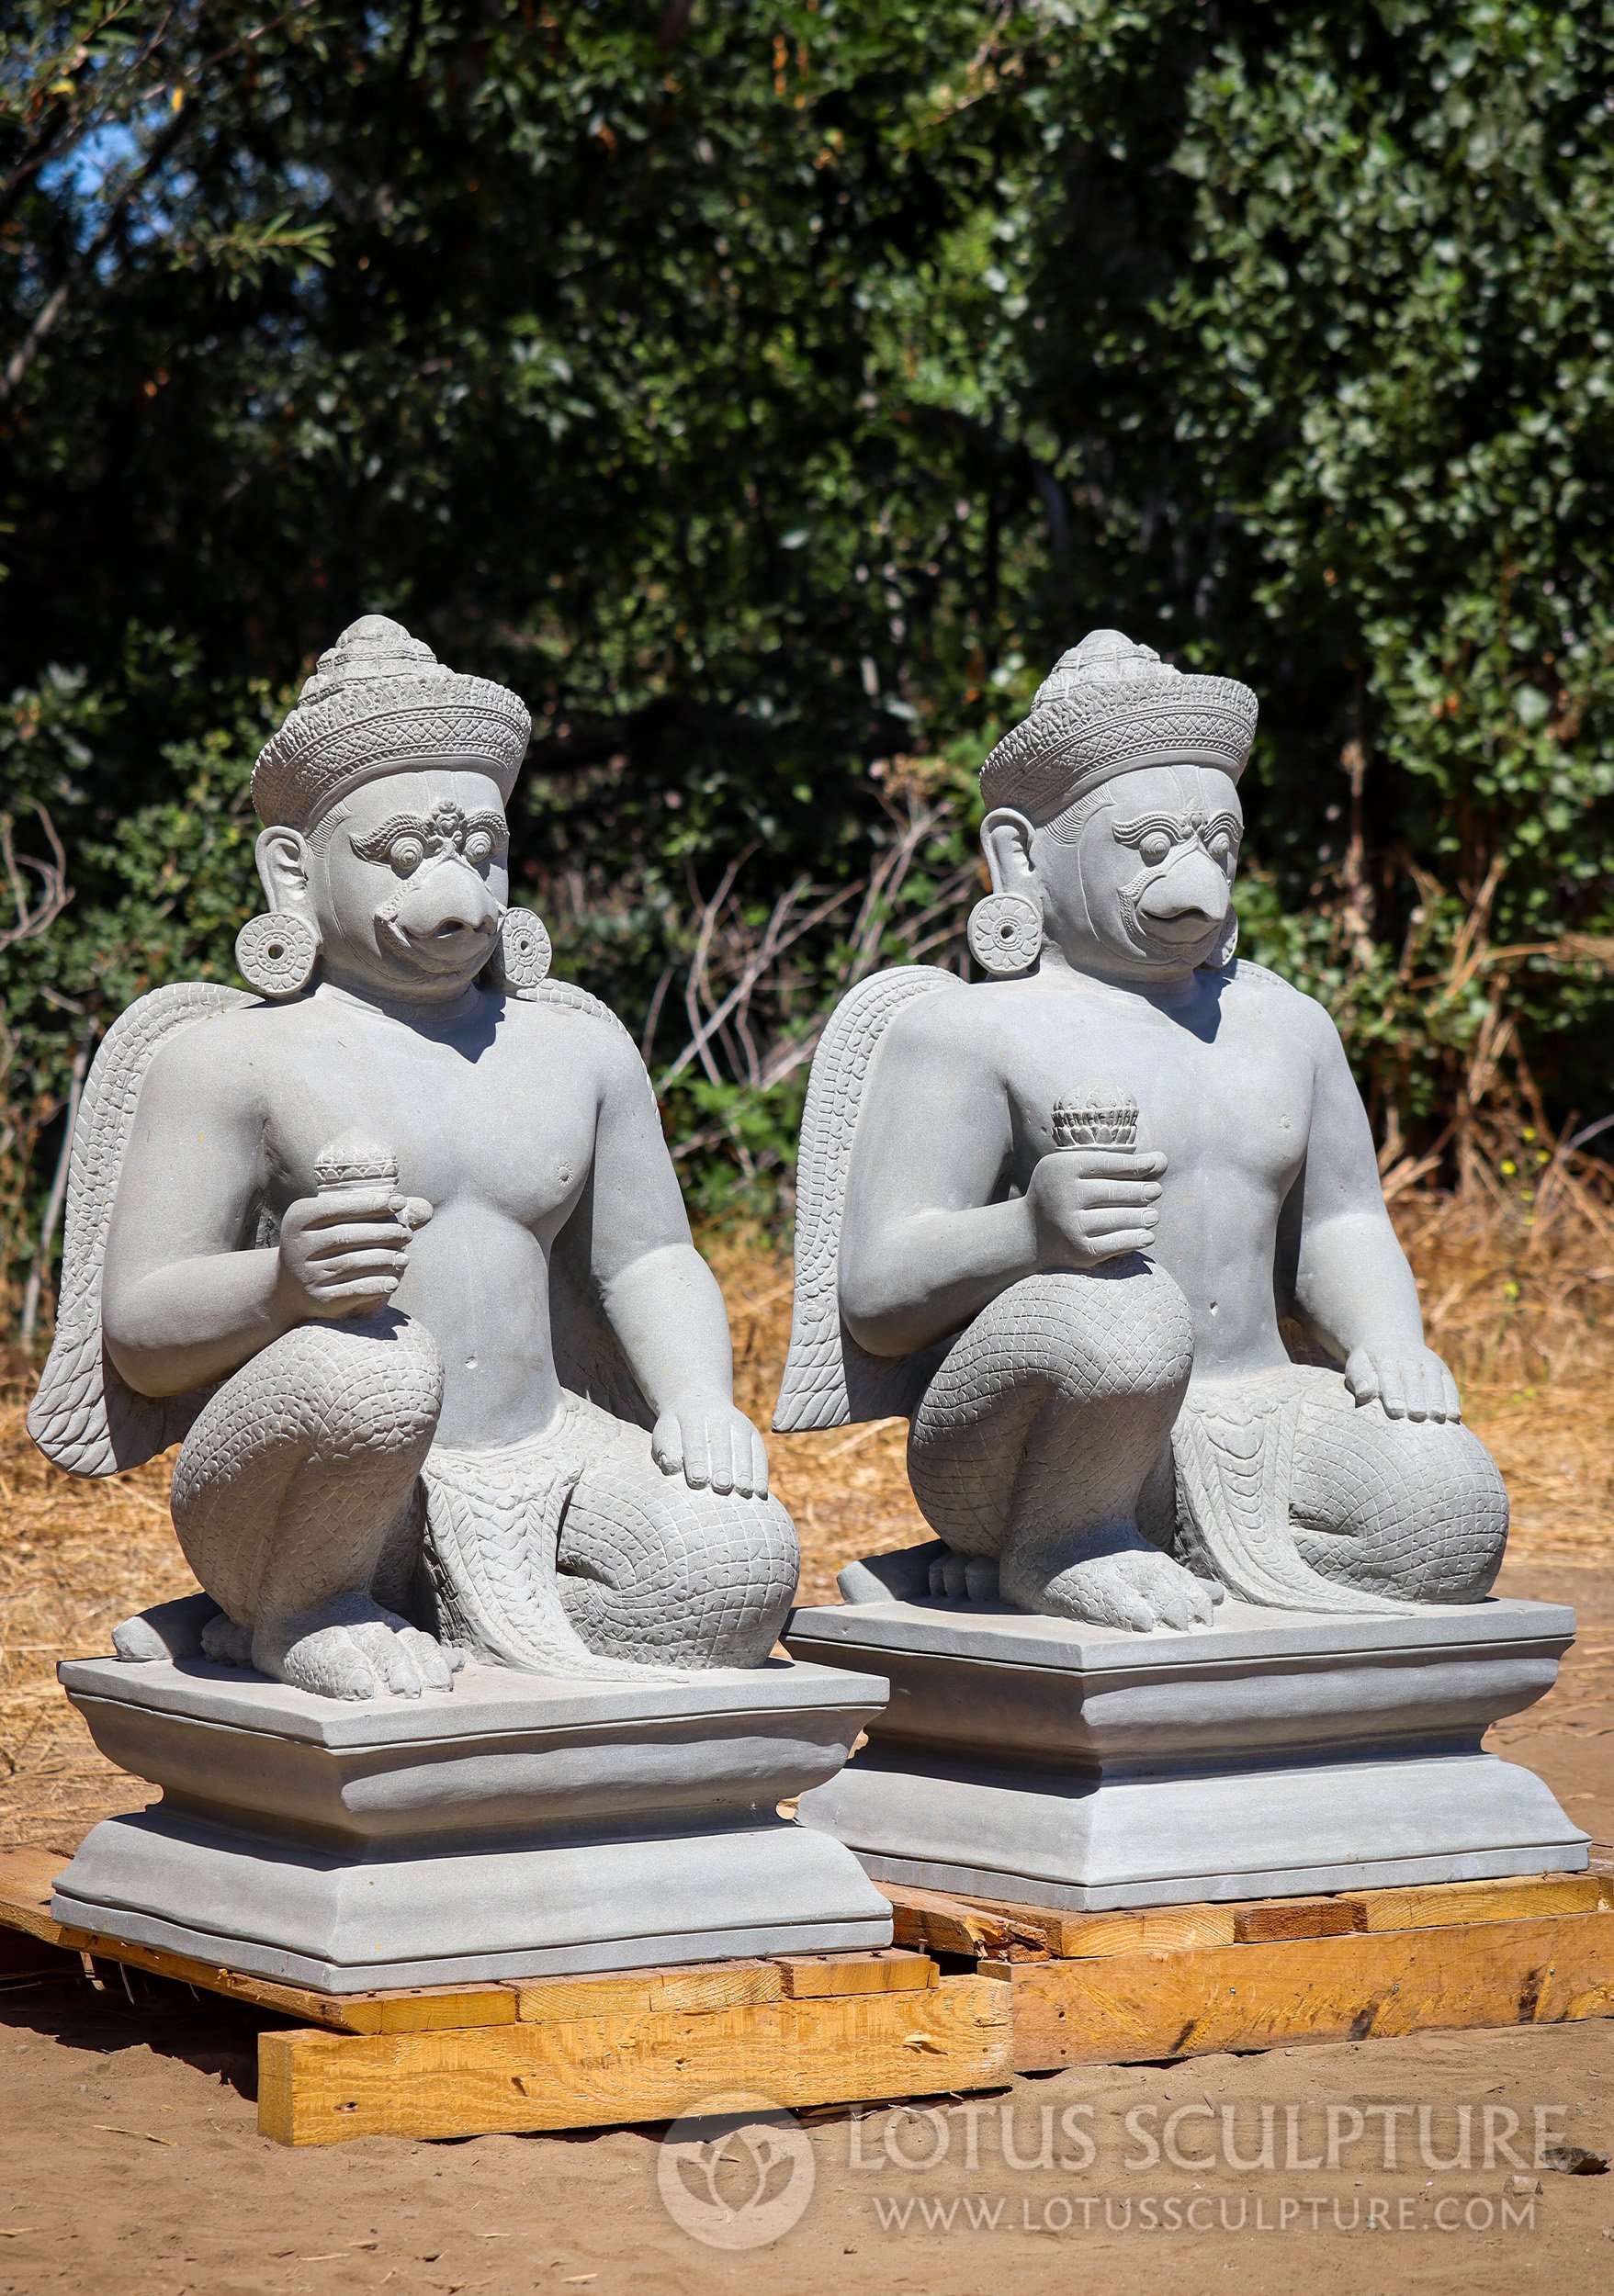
point(769, 396)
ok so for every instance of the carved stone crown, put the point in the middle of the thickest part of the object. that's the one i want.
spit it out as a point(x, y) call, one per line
point(1107, 707)
point(380, 702)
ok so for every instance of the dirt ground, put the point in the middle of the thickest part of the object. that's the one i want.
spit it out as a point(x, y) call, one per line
point(129, 2162)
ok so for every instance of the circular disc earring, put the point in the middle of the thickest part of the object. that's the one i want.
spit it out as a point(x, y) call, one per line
point(277, 954)
point(1005, 933)
point(521, 955)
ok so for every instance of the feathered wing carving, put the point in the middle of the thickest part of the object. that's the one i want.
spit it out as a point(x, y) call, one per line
point(587, 1355)
point(85, 1416)
point(829, 1379)
point(1234, 1451)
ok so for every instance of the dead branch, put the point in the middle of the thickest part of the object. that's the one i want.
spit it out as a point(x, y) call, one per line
point(37, 907)
point(744, 987)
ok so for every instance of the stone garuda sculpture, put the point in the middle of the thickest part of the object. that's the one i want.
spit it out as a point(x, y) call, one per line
point(1057, 1216)
point(396, 1247)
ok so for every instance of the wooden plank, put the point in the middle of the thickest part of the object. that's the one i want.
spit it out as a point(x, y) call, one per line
point(1274, 1917)
point(1131, 2009)
point(883, 1969)
point(1005, 1929)
point(27, 1879)
point(1130, 1929)
point(429, 2010)
point(375, 2012)
point(930, 1921)
point(1439, 1904)
point(322, 2088)
point(697, 1989)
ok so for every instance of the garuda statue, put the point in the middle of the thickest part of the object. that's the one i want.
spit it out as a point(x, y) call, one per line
point(1056, 1217)
point(397, 1248)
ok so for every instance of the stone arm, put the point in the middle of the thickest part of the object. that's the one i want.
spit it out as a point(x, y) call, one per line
point(1344, 1267)
point(931, 1235)
point(183, 1303)
point(663, 1300)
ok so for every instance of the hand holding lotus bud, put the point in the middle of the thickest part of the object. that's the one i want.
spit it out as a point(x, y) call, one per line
point(1096, 1197)
point(344, 1249)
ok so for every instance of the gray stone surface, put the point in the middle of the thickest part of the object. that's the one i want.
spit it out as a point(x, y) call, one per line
point(1268, 1754)
point(1059, 1217)
point(397, 1248)
point(517, 1826)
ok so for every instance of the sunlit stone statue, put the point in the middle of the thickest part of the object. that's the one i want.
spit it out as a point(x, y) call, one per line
point(1203, 1618)
point(1055, 1216)
point(397, 1248)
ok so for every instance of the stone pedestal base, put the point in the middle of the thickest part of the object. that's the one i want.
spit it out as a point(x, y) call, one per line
point(1271, 1754)
point(514, 1826)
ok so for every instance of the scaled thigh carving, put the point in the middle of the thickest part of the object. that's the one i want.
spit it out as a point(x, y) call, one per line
point(1402, 1507)
point(689, 1578)
point(574, 1551)
point(283, 1496)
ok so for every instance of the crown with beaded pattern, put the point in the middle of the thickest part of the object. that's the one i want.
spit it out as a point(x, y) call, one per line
point(1107, 707)
point(380, 702)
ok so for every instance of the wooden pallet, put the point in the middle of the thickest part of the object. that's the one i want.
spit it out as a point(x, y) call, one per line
point(1030, 1989)
point(1179, 1981)
point(576, 2052)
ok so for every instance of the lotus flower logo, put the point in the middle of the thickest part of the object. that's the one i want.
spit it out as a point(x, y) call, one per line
point(736, 2171)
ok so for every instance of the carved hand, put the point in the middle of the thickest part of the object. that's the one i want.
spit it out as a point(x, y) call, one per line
point(343, 1251)
point(711, 1445)
point(1410, 1382)
point(1089, 1205)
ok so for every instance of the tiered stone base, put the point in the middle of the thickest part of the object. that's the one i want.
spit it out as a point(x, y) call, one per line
point(514, 1826)
point(1271, 1754)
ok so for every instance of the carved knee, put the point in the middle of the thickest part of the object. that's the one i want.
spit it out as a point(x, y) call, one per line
point(1121, 1329)
point(366, 1390)
point(1404, 1507)
point(1053, 1406)
point(313, 1444)
point(653, 1570)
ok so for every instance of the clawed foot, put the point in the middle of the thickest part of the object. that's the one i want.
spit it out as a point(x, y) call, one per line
point(964, 1578)
point(354, 1649)
point(1132, 1586)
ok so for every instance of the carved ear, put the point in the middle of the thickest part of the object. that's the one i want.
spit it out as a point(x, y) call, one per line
point(282, 855)
point(1006, 840)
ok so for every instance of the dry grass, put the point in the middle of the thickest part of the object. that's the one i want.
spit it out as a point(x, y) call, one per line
point(76, 1557)
point(1520, 1303)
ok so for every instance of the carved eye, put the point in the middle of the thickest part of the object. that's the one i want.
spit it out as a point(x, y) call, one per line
point(1219, 845)
point(407, 854)
point(479, 845)
point(1154, 847)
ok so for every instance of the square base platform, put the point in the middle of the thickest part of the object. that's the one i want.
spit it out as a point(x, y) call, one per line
point(1273, 1754)
point(514, 1826)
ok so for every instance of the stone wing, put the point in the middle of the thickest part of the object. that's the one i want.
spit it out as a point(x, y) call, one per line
point(829, 1379)
point(84, 1416)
